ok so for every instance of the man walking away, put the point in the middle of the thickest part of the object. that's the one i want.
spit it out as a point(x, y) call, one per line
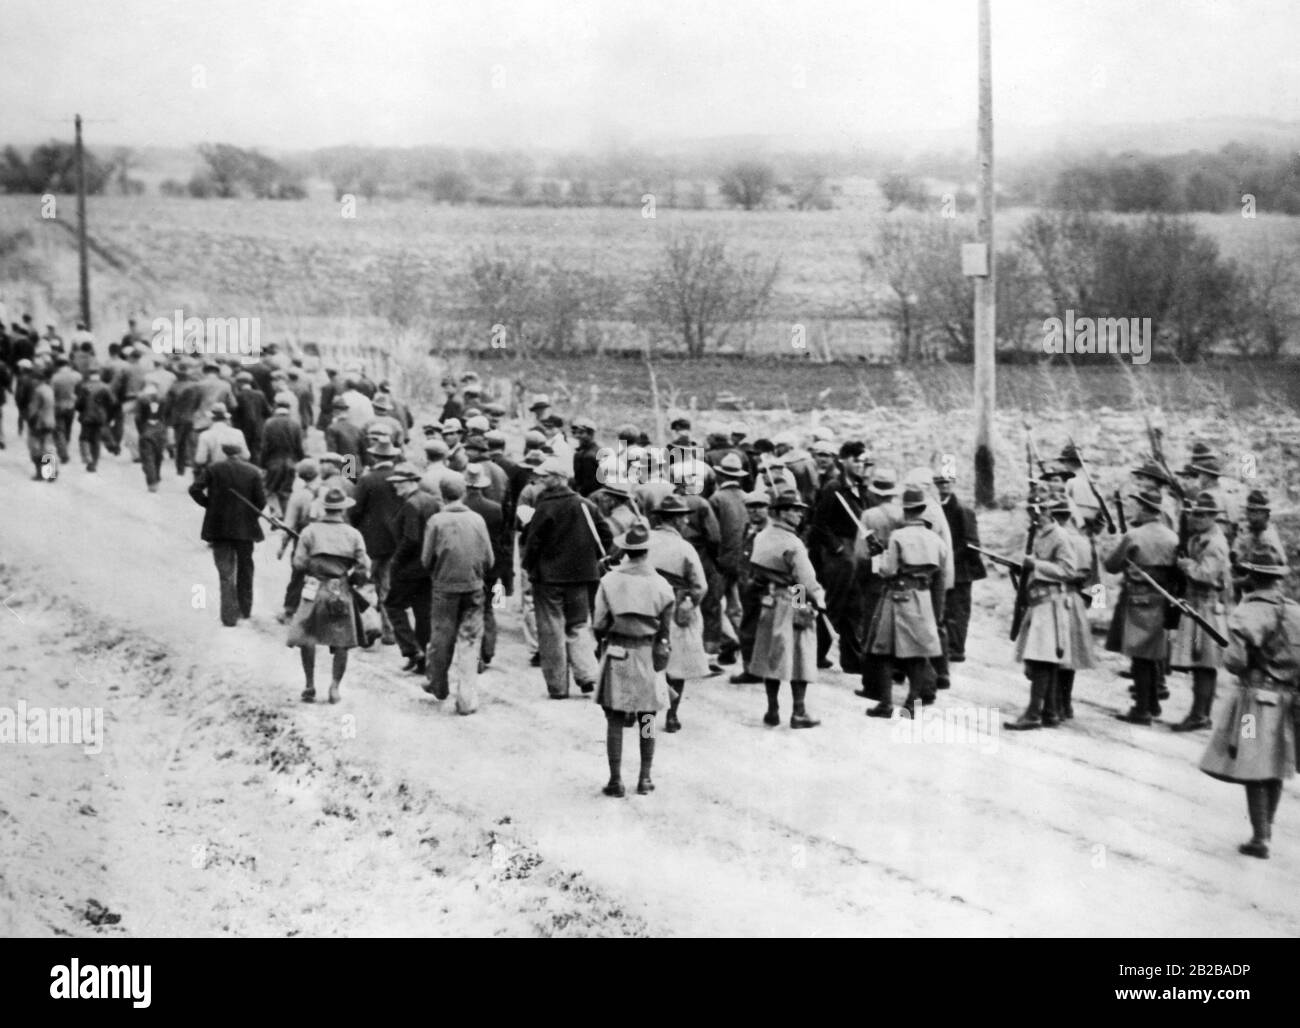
point(232, 526)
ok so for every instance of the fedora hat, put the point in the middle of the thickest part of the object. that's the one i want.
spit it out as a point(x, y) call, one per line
point(218, 411)
point(731, 465)
point(476, 476)
point(336, 500)
point(789, 499)
point(452, 425)
point(672, 505)
point(382, 446)
point(913, 499)
point(885, 482)
point(541, 402)
point(758, 498)
point(404, 472)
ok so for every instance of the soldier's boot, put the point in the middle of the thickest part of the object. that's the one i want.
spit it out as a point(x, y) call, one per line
point(309, 674)
point(1202, 701)
point(647, 732)
point(880, 687)
point(1052, 700)
point(1033, 715)
point(800, 718)
point(614, 751)
point(1065, 688)
point(1257, 803)
point(1144, 698)
point(1160, 686)
point(675, 686)
point(773, 716)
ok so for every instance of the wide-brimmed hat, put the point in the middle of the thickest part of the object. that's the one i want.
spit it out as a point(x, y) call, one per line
point(381, 445)
point(337, 499)
point(476, 476)
point(339, 404)
point(731, 465)
point(1150, 469)
point(1206, 464)
point(1205, 503)
point(1069, 454)
point(884, 482)
point(738, 428)
point(788, 499)
point(404, 472)
point(452, 425)
point(553, 466)
point(635, 540)
point(758, 498)
point(672, 505)
point(584, 422)
point(1149, 498)
point(382, 402)
point(1265, 559)
point(218, 411)
point(824, 447)
point(495, 410)
point(1257, 499)
point(478, 423)
point(540, 402)
point(913, 499)
point(1056, 470)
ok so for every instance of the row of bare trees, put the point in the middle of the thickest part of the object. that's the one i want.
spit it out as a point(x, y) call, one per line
point(704, 293)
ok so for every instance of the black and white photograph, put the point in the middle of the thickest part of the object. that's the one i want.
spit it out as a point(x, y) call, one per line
point(567, 469)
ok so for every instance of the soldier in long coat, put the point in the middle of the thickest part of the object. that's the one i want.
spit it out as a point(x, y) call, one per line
point(1206, 570)
point(680, 565)
point(878, 522)
point(1137, 628)
point(905, 629)
point(633, 618)
point(1045, 642)
point(1078, 598)
point(332, 555)
point(1255, 741)
point(785, 640)
point(757, 509)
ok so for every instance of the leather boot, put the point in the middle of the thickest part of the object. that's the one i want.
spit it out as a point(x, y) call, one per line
point(773, 716)
point(646, 723)
point(1144, 683)
point(1274, 798)
point(671, 724)
point(1257, 803)
point(1033, 715)
point(1202, 701)
point(1065, 689)
point(1051, 700)
point(614, 751)
point(800, 718)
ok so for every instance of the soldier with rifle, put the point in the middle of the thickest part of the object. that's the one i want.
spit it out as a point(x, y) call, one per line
point(1258, 532)
point(1205, 571)
point(1043, 636)
point(1254, 743)
point(751, 594)
point(905, 632)
point(1146, 553)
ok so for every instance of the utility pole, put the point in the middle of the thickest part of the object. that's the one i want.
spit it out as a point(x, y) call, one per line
point(81, 229)
point(985, 292)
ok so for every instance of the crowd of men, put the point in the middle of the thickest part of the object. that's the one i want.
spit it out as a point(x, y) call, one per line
point(640, 567)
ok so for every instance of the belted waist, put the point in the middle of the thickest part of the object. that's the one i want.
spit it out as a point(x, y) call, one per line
point(630, 640)
point(1043, 590)
point(905, 582)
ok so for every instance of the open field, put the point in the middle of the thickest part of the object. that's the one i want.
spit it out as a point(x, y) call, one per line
point(311, 273)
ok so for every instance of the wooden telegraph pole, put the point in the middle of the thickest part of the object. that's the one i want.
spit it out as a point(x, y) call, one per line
point(983, 273)
point(81, 229)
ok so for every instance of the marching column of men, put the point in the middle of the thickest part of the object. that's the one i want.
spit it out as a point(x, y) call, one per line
point(638, 578)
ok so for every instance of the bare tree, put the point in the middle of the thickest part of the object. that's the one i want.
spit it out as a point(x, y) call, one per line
point(700, 293)
point(747, 183)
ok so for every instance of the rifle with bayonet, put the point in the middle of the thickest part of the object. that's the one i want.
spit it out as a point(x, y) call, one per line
point(1155, 436)
point(1181, 605)
point(1087, 478)
point(1119, 512)
point(1031, 506)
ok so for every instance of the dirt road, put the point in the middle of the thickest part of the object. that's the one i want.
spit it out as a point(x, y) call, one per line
point(220, 804)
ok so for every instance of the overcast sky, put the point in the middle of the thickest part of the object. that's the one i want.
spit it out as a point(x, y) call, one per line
point(307, 73)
